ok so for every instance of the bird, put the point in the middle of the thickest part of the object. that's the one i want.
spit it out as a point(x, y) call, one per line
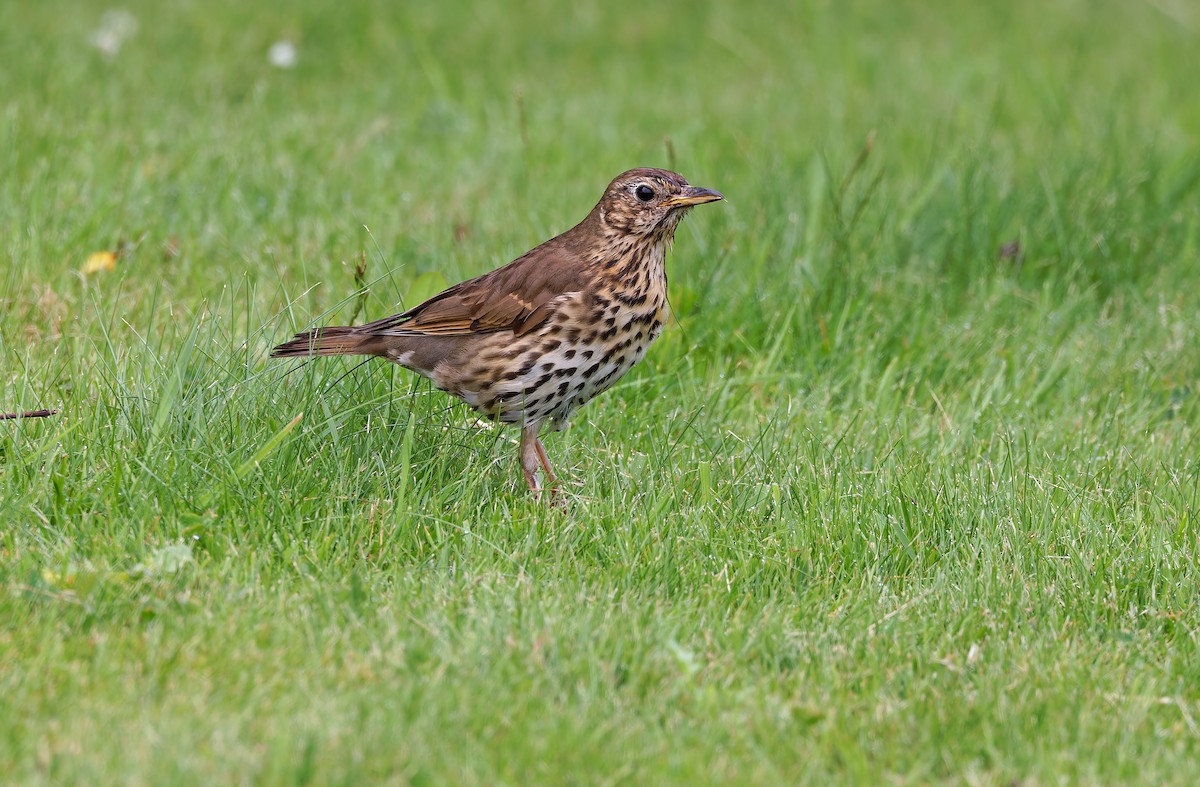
point(530, 342)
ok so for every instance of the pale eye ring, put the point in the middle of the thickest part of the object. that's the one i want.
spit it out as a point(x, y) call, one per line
point(644, 193)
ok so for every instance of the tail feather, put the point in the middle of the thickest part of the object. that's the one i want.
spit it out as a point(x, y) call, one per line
point(330, 341)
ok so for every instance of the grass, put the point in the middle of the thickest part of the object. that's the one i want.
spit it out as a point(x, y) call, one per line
point(885, 504)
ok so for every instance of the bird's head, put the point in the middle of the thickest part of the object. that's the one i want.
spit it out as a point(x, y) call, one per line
point(645, 201)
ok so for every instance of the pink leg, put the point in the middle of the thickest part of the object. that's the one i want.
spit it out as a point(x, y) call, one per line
point(545, 462)
point(533, 454)
point(530, 456)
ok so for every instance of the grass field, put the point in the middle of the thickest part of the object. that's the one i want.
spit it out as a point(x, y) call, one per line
point(908, 491)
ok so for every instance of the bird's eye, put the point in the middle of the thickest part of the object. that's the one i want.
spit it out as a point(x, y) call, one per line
point(644, 193)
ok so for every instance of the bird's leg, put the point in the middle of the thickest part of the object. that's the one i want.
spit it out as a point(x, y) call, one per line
point(529, 455)
point(533, 453)
point(551, 478)
point(545, 461)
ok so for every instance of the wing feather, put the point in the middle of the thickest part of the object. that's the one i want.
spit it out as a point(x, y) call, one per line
point(517, 297)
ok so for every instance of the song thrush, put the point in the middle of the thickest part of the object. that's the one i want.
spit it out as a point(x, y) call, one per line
point(531, 342)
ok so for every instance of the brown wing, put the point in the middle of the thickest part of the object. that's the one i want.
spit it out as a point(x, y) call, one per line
point(514, 298)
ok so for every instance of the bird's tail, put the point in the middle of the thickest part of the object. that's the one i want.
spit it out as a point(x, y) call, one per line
point(330, 341)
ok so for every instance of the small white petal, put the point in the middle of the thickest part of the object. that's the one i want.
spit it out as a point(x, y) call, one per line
point(282, 54)
point(115, 27)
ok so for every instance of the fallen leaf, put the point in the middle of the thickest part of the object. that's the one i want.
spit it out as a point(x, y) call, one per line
point(100, 261)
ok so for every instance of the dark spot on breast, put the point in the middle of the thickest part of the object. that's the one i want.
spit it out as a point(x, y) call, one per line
point(565, 371)
point(520, 371)
point(569, 354)
point(591, 370)
point(587, 354)
point(632, 298)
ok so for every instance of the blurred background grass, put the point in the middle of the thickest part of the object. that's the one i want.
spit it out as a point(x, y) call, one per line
point(907, 491)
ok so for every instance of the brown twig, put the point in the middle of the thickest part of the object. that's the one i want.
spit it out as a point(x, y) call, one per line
point(30, 414)
point(360, 283)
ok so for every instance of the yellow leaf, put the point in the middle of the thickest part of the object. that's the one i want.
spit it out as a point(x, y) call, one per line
point(100, 261)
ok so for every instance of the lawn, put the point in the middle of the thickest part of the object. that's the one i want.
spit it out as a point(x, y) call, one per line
point(907, 492)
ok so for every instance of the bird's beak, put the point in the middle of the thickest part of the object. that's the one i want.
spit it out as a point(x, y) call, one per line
point(693, 195)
